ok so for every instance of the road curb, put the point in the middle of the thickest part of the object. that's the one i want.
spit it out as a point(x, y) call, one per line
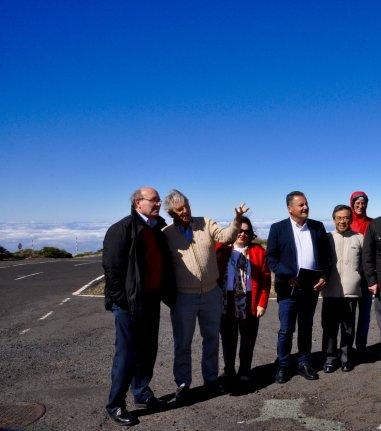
point(89, 284)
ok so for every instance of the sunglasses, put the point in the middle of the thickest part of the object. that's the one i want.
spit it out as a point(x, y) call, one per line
point(245, 231)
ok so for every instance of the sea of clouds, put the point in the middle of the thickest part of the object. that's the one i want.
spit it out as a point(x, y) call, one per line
point(78, 237)
point(74, 237)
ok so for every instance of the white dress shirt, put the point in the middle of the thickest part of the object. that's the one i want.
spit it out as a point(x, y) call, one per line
point(304, 247)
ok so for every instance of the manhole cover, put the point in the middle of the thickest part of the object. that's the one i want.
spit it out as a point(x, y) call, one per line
point(20, 414)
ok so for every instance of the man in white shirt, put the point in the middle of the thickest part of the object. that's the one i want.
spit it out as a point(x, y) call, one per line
point(294, 244)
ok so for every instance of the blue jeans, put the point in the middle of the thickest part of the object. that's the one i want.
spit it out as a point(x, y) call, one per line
point(136, 342)
point(300, 308)
point(207, 307)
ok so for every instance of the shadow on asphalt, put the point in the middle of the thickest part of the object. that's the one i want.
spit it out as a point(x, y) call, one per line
point(373, 355)
point(198, 394)
point(260, 377)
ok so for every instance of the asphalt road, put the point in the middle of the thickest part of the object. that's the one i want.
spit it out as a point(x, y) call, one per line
point(58, 351)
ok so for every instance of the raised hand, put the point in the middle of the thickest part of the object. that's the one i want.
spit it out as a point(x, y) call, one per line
point(240, 211)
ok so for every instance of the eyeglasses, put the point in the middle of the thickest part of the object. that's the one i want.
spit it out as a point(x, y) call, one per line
point(346, 218)
point(245, 231)
point(153, 200)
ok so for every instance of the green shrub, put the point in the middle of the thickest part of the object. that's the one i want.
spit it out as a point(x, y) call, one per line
point(26, 253)
point(86, 253)
point(54, 253)
point(5, 254)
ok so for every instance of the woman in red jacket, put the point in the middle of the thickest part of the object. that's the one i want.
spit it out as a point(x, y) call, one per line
point(245, 280)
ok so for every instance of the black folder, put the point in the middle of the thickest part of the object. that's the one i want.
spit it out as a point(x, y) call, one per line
point(307, 278)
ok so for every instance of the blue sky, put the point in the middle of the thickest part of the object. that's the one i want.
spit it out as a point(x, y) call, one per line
point(227, 101)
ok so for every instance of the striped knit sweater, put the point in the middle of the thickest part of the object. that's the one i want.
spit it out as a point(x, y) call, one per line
point(195, 264)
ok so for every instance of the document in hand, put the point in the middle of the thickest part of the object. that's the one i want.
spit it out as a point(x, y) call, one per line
point(307, 278)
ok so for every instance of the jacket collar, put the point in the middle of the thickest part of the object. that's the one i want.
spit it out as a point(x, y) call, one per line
point(137, 219)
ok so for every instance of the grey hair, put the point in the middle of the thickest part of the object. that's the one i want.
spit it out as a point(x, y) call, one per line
point(136, 195)
point(174, 197)
point(290, 196)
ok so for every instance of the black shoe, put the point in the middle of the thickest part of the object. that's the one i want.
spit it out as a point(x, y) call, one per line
point(151, 403)
point(307, 372)
point(282, 375)
point(244, 379)
point(229, 373)
point(329, 368)
point(347, 366)
point(229, 381)
point(213, 388)
point(122, 417)
point(362, 354)
point(182, 394)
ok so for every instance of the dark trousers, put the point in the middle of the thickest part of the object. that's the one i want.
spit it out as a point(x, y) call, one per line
point(301, 308)
point(338, 312)
point(247, 328)
point(363, 321)
point(136, 343)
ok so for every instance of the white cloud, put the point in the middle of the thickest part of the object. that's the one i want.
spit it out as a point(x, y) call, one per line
point(89, 234)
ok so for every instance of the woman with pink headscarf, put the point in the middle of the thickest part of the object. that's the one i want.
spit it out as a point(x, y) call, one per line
point(360, 223)
point(359, 203)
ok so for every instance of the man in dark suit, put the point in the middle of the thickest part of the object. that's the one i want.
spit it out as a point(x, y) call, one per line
point(295, 243)
point(371, 254)
point(138, 276)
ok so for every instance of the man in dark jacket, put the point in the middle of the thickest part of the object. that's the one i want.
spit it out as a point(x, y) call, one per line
point(297, 246)
point(138, 276)
point(371, 255)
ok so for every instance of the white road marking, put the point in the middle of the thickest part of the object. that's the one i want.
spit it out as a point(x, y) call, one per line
point(24, 331)
point(37, 263)
point(8, 266)
point(46, 315)
point(77, 292)
point(47, 261)
point(379, 427)
point(292, 409)
point(30, 275)
point(86, 263)
point(65, 300)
